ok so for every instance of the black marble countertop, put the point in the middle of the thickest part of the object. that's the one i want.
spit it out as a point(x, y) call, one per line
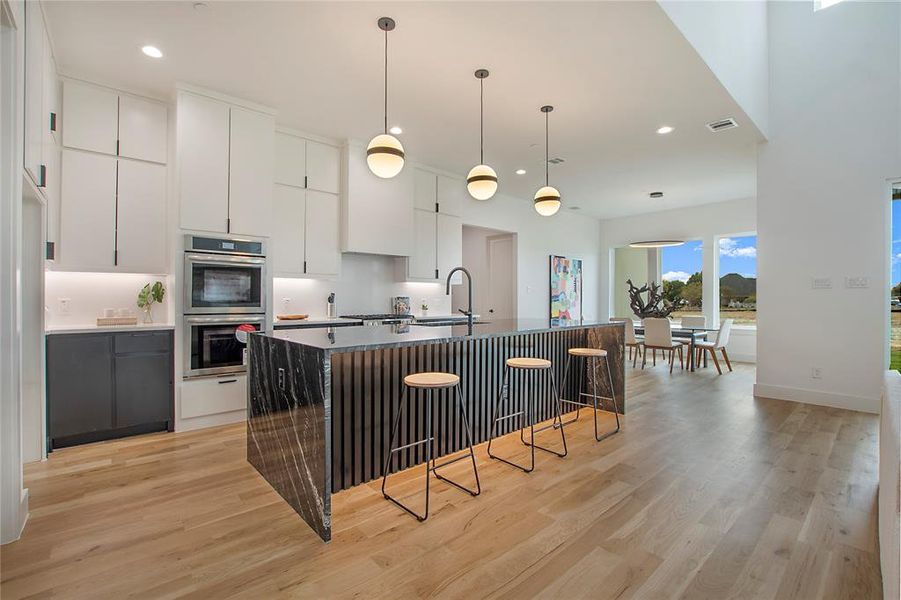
point(349, 339)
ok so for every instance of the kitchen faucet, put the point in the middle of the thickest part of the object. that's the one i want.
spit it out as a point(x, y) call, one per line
point(447, 291)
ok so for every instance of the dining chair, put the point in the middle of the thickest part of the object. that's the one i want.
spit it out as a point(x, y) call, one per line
point(658, 335)
point(698, 321)
point(632, 341)
point(720, 343)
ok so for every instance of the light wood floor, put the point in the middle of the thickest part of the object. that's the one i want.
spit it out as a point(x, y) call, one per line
point(707, 493)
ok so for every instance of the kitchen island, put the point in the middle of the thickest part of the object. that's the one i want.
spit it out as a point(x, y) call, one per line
point(321, 401)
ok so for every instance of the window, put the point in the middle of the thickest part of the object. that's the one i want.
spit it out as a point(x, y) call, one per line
point(738, 279)
point(681, 274)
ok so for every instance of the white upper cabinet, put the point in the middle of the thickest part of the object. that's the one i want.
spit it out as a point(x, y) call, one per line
point(90, 117)
point(451, 194)
point(88, 207)
point(143, 129)
point(202, 149)
point(50, 93)
point(377, 214)
point(323, 167)
point(450, 246)
point(225, 157)
point(286, 247)
point(290, 159)
point(422, 263)
point(322, 251)
point(250, 174)
point(307, 164)
point(141, 239)
point(425, 189)
point(34, 80)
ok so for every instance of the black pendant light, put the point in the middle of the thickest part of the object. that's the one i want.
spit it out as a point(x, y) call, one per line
point(385, 154)
point(482, 180)
point(547, 199)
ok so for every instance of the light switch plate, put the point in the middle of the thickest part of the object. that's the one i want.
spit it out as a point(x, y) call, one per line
point(857, 282)
point(64, 306)
point(821, 283)
point(816, 373)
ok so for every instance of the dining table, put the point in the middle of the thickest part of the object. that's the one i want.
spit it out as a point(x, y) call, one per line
point(692, 334)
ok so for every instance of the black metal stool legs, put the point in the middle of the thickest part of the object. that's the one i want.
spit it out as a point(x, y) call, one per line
point(472, 454)
point(557, 424)
point(595, 397)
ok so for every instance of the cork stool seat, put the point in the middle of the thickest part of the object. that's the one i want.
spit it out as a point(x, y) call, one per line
point(588, 359)
point(528, 363)
point(431, 380)
point(587, 352)
point(537, 367)
point(429, 383)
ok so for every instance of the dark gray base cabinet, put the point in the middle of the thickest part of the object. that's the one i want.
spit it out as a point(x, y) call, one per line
point(107, 385)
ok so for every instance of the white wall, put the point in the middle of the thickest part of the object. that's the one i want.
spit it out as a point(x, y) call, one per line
point(629, 263)
point(706, 222)
point(823, 201)
point(731, 38)
point(90, 293)
point(475, 259)
point(366, 285)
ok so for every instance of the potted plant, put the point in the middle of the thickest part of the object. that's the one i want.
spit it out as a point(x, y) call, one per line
point(424, 307)
point(149, 295)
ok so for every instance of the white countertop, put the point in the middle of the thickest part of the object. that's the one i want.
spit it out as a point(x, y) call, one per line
point(88, 328)
point(446, 317)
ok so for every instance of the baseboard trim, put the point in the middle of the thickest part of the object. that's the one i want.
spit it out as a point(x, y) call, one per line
point(778, 392)
point(23, 519)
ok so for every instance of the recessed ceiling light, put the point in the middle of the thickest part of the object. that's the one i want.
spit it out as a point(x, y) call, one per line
point(665, 129)
point(520, 171)
point(152, 51)
point(396, 130)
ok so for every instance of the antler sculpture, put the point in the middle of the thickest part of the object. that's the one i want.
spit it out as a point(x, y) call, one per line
point(656, 306)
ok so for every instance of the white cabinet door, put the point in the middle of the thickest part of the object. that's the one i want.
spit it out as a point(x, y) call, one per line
point(423, 260)
point(322, 250)
point(212, 395)
point(450, 246)
point(52, 191)
point(141, 228)
point(34, 80)
point(50, 93)
point(290, 159)
point(88, 207)
point(250, 174)
point(450, 194)
point(202, 139)
point(90, 117)
point(143, 129)
point(287, 241)
point(425, 193)
point(323, 167)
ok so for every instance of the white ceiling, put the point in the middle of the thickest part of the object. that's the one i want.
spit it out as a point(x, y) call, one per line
point(615, 71)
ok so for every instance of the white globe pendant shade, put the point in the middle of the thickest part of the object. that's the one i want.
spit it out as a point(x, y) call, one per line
point(547, 201)
point(385, 156)
point(481, 182)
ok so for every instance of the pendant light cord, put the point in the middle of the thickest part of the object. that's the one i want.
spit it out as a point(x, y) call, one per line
point(386, 81)
point(481, 121)
point(546, 150)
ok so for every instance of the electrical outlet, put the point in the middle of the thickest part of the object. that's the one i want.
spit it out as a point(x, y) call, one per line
point(286, 302)
point(821, 283)
point(857, 282)
point(64, 304)
point(816, 372)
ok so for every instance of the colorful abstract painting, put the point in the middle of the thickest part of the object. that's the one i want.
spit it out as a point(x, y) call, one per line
point(566, 290)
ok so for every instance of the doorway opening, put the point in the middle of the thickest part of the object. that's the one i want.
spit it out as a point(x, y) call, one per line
point(490, 256)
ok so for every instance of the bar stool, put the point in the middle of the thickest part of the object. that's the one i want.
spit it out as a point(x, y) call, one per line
point(523, 365)
point(591, 356)
point(429, 382)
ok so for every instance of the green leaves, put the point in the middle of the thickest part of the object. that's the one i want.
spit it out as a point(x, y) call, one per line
point(151, 294)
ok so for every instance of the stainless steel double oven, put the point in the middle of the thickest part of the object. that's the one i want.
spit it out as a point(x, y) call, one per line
point(224, 288)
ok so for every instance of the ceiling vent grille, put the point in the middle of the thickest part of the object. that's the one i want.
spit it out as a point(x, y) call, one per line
point(555, 161)
point(722, 125)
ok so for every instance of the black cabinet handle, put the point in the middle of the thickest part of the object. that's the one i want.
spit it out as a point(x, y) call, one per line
point(53, 121)
point(221, 381)
point(42, 177)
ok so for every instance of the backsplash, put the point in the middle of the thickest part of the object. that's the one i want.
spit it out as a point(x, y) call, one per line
point(89, 293)
point(366, 285)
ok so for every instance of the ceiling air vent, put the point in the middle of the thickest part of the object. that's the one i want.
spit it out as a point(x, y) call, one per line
point(555, 161)
point(722, 125)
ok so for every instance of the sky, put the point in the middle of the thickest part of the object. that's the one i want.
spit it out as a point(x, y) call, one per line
point(737, 255)
point(896, 242)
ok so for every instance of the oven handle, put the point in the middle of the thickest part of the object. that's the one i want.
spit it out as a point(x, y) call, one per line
point(220, 259)
point(225, 320)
